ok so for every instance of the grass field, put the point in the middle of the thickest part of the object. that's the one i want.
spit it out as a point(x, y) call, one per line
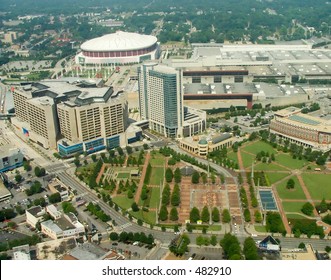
point(288, 161)
point(260, 228)
point(233, 156)
point(318, 185)
point(155, 198)
point(157, 159)
point(123, 175)
point(296, 193)
point(292, 206)
point(296, 216)
point(275, 177)
point(148, 217)
point(123, 201)
point(268, 167)
point(157, 176)
point(247, 159)
point(259, 146)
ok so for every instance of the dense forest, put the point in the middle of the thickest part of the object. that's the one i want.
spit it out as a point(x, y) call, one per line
point(257, 21)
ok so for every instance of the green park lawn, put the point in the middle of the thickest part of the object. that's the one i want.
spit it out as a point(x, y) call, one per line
point(292, 206)
point(296, 216)
point(296, 193)
point(155, 197)
point(268, 167)
point(259, 146)
point(232, 156)
point(157, 159)
point(288, 161)
point(274, 177)
point(248, 159)
point(157, 176)
point(148, 217)
point(318, 185)
point(123, 175)
point(123, 201)
point(260, 228)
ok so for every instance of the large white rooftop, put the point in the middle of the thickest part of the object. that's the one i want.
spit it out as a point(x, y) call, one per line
point(119, 41)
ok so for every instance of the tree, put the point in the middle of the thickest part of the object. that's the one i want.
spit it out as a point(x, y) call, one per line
point(200, 240)
point(175, 196)
point(166, 195)
point(226, 217)
point(18, 178)
point(231, 246)
point(54, 198)
point(168, 175)
point(37, 171)
point(130, 194)
point(134, 207)
point(215, 215)
point(307, 209)
point(120, 151)
point(77, 162)
point(258, 216)
point(68, 208)
point(205, 215)
point(194, 215)
point(302, 245)
point(26, 165)
point(195, 177)
point(213, 240)
point(163, 215)
point(247, 215)
point(322, 207)
point(250, 249)
point(129, 149)
point(113, 236)
point(290, 184)
point(145, 146)
point(177, 175)
point(173, 214)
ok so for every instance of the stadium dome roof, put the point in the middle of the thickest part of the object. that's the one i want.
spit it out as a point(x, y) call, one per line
point(119, 41)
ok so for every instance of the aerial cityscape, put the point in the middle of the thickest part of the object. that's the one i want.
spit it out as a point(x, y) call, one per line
point(165, 130)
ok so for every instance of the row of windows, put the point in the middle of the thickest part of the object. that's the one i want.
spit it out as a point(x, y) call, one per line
point(120, 53)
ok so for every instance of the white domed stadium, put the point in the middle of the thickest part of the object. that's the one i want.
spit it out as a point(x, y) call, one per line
point(118, 48)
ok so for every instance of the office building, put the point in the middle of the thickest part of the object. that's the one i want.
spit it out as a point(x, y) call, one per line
point(161, 98)
point(71, 116)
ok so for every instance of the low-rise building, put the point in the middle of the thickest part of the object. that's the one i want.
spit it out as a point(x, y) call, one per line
point(4, 192)
point(65, 226)
point(302, 129)
point(56, 186)
point(10, 158)
point(21, 253)
point(202, 146)
point(34, 215)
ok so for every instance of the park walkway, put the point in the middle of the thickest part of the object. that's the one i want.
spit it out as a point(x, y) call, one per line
point(142, 178)
point(307, 194)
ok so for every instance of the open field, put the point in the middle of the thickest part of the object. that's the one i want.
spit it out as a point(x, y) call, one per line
point(292, 206)
point(157, 176)
point(288, 161)
point(275, 177)
point(268, 167)
point(157, 159)
point(296, 193)
point(259, 146)
point(148, 217)
point(232, 156)
point(248, 159)
point(123, 201)
point(318, 185)
point(123, 175)
point(155, 197)
point(260, 228)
